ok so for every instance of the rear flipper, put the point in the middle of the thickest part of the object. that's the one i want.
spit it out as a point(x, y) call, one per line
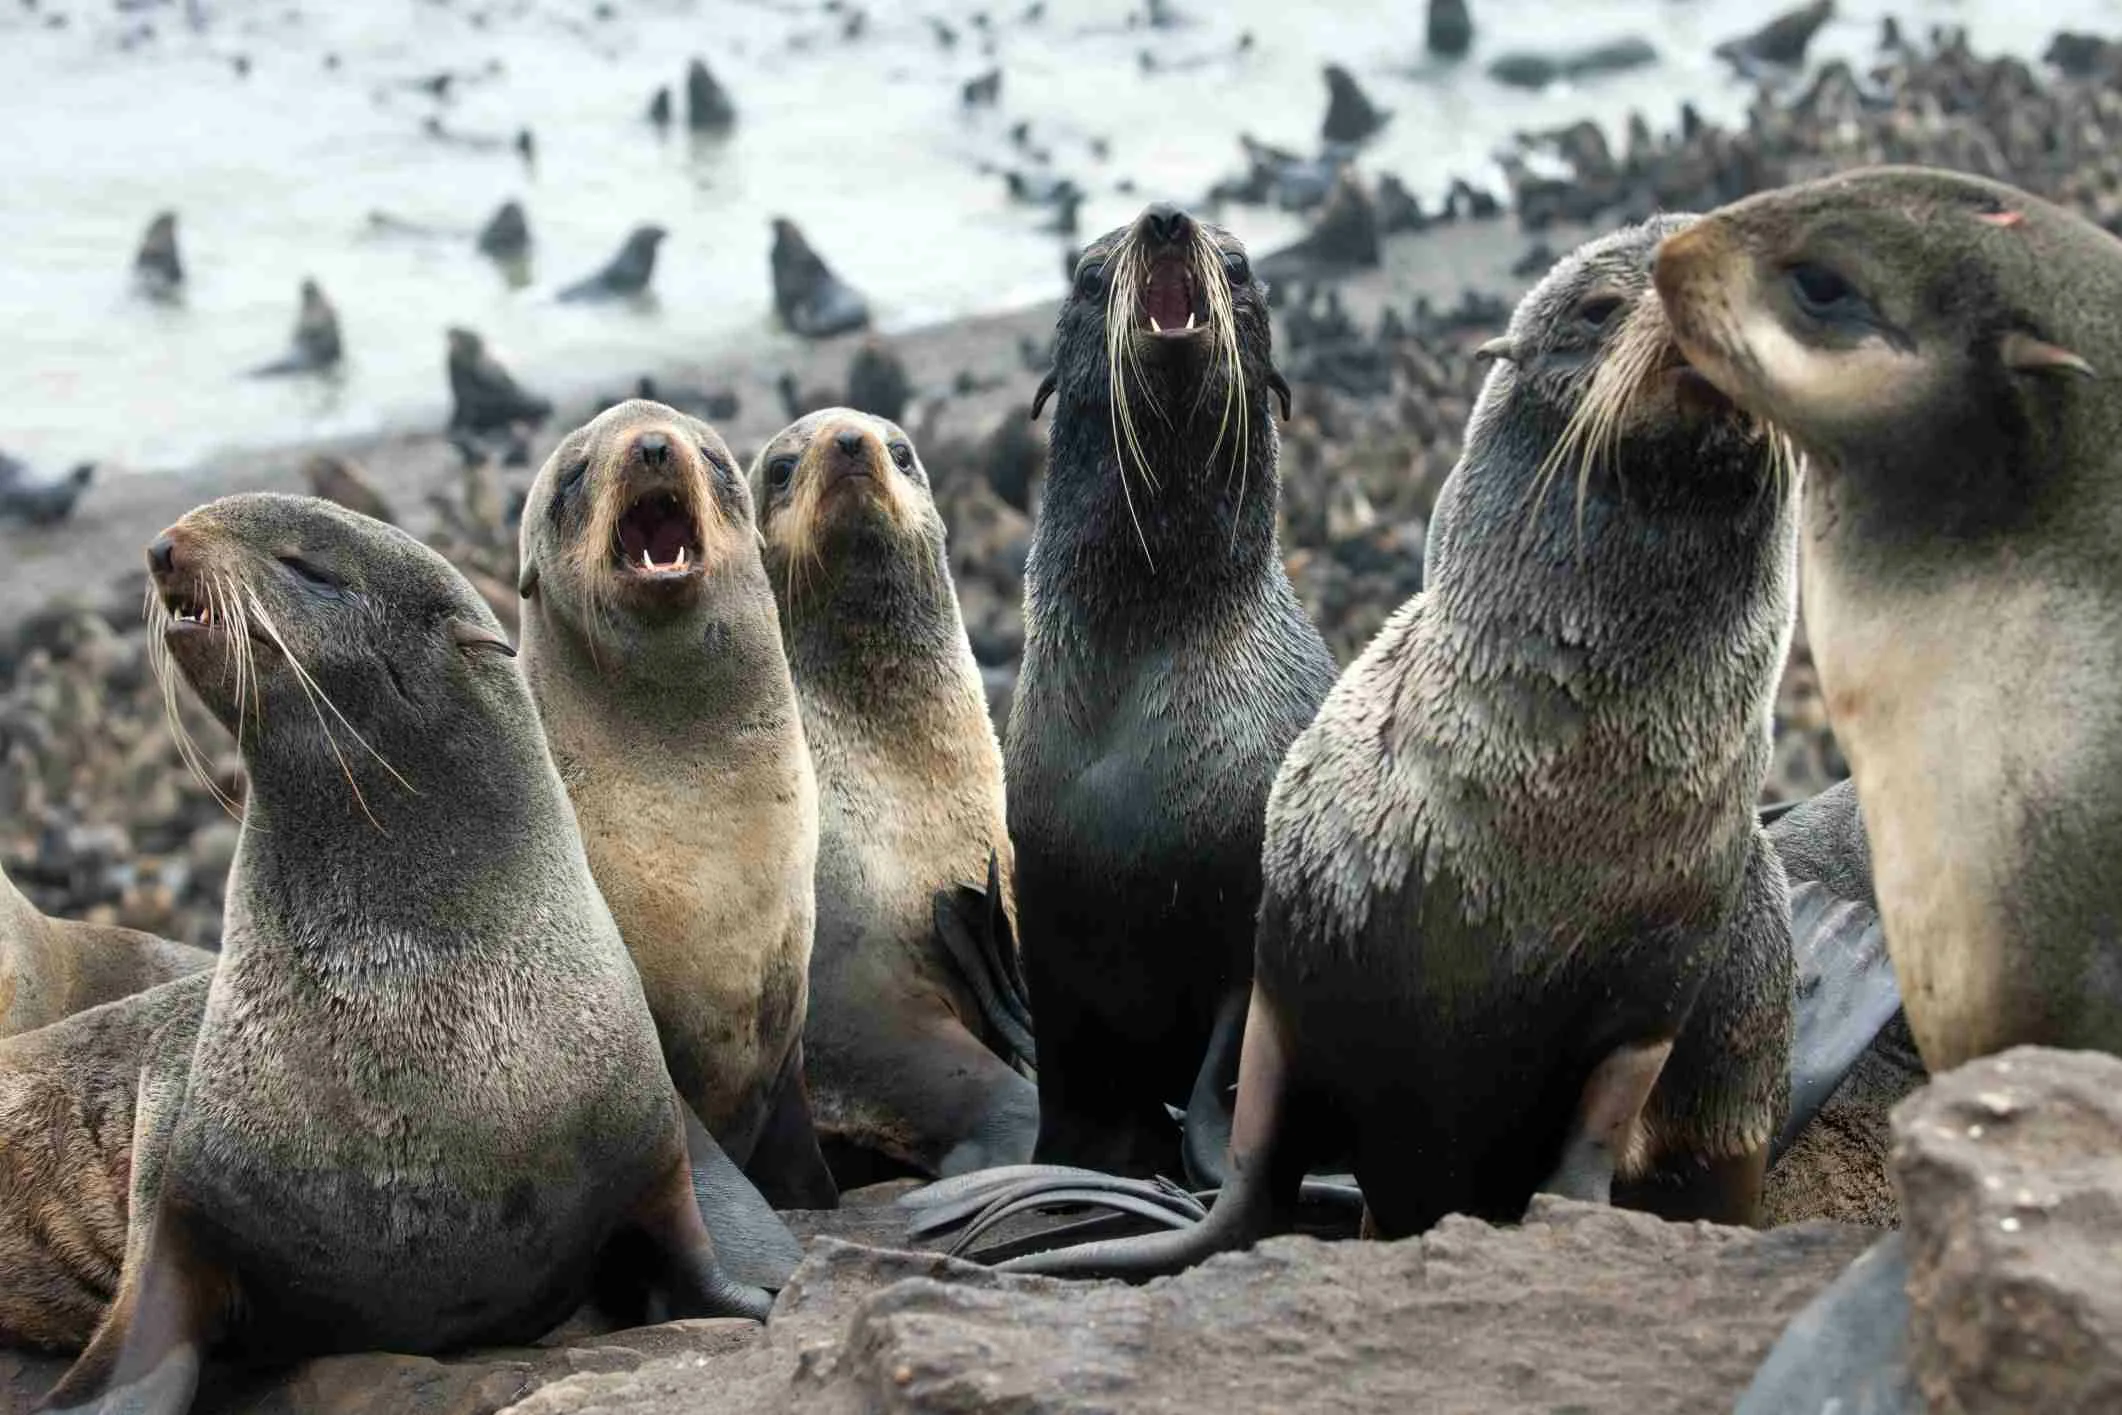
point(786, 1162)
point(975, 933)
point(1205, 1136)
point(1267, 1159)
point(1848, 1350)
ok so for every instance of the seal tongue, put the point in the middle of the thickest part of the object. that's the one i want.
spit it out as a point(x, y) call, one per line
point(1168, 296)
point(656, 533)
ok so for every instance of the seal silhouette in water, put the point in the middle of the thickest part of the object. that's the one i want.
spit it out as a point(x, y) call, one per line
point(1167, 668)
point(1521, 927)
point(351, 1159)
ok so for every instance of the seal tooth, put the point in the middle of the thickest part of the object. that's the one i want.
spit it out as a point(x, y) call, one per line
point(1189, 321)
point(1155, 328)
point(682, 556)
point(646, 563)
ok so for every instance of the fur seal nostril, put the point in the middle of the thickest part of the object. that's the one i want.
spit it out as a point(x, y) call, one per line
point(162, 555)
point(1166, 224)
point(850, 442)
point(653, 448)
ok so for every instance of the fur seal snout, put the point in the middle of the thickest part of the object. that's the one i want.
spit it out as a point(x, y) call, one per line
point(651, 643)
point(903, 1062)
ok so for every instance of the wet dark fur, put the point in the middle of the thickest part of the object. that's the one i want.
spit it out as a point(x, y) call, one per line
point(1167, 667)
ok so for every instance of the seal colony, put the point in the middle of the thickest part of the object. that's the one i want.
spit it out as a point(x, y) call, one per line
point(903, 1060)
point(651, 643)
point(1938, 346)
point(1521, 927)
point(412, 931)
point(1167, 668)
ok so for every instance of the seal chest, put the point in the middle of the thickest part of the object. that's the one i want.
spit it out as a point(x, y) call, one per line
point(1167, 667)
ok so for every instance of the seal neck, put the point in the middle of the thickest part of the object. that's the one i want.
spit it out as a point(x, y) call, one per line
point(880, 634)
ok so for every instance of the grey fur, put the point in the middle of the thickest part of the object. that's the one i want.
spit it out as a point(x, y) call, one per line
point(52, 968)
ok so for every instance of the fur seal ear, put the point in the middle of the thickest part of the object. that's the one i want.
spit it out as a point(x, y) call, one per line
point(1276, 381)
point(1501, 347)
point(1046, 391)
point(476, 638)
point(527, 583)
point(2030, 355)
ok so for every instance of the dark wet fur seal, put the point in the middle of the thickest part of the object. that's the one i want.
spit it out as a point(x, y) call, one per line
point(1350, 115)
point(902, 1062)
point(52, 968)
point(627, 274)
point(351, 1160)
point(158, 271)
point(811, 300)
point(1941, 347)
point(41, 503)
point(707, 105)
point(651, 642)
point(1167, 668)
point(485, 397)
point(1781, 42)
point(877, 381)
point(315, 347)
point(1521, 928)
point(506, 234)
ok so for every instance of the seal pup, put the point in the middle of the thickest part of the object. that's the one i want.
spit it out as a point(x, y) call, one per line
point(158, 272)
point(909, 798)
point(1521, 927)
point(315, 345)
point(627, 274)
point(1167, 668)
point(353, 1158)
point(485, 397)
point(52, 968)
point(651, 642)
point(811, 300)
point(1938, 347)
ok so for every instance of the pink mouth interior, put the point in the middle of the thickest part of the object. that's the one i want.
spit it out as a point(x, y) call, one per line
point(657, 529)
point(1168, 296)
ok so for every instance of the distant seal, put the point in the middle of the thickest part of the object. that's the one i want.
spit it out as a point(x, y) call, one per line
point(506, 234)
point(158, 272)
point(1781, 42)
point(485, 397)
point(1940, 347)
point(354, 1158)
point(52, 968)
point(341, 479)
point(909, 793)
point(627, 274)
point(811, 300)
point(877, 381)
point(651, 641)
point(39, 502)
point(707, 104)
point(1521, 928)
point(1167, 668)
point(1350, 115)
point(315, 346)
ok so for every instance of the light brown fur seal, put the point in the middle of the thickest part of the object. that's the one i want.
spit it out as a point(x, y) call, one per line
point(52, 968)
point(1944, 350)
point(909, 797)
point(425, 1106)
point(651, 643)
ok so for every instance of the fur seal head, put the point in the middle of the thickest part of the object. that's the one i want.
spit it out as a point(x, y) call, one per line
point(1163, 370)
point(309, 631)
point(632, 529)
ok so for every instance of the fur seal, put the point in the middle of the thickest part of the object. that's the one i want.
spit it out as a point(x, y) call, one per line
point(1521, 927)
point(352, 1158)
point(40, 502)
point(909, 793)
point(1350, 115)
point(506, 235)
point(485, 397)
point(652, 645)
point(627, 274)
point(52, 968)
point(158, 272)
point(707, 104)
point(1167, 668)
point(1938, 347)
point(811, 300)
point(315, 345)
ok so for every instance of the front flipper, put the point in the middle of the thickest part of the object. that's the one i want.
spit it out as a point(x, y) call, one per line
point(1848, 1350)
point(975, 933)
point(754, 1244)
point(1205, 1136)
point(146, 1357)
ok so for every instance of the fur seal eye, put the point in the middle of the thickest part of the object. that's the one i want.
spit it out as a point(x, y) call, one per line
point(1822, 293)
point(309, 573)
point(1237, 267)
point(779, 473)
point(1090, 277)
point(902, 456)
point(1599, 310)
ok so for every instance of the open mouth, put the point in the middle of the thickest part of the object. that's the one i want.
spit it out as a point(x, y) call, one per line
point(1170, 302)
point(190, 611)
point(658, 535)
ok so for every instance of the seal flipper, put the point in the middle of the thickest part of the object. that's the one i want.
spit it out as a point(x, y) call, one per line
point(1205, 1137)
point(786, 1162)
point(146, 1357)
point(693, 1279)
point(755, 1245)
point(1607, 1111)
point(1847, 1351)
point(975, 934)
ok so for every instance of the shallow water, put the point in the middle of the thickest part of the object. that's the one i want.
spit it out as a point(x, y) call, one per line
point(865, 144)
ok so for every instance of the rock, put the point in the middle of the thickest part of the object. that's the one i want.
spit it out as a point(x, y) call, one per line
point(1583, 1309)
point(707, 105)
point(2010, 1171)
point(1350, 115)
point(1847, 1352)
point(811, 300)
point(1451, 29)
point(877, 382)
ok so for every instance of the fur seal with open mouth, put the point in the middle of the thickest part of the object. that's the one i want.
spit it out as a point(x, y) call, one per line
point(1939, 346)
point(349, 1155)
point(1167, 668)
point(910, 800)
point(1522, 928)
point(651, 642)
